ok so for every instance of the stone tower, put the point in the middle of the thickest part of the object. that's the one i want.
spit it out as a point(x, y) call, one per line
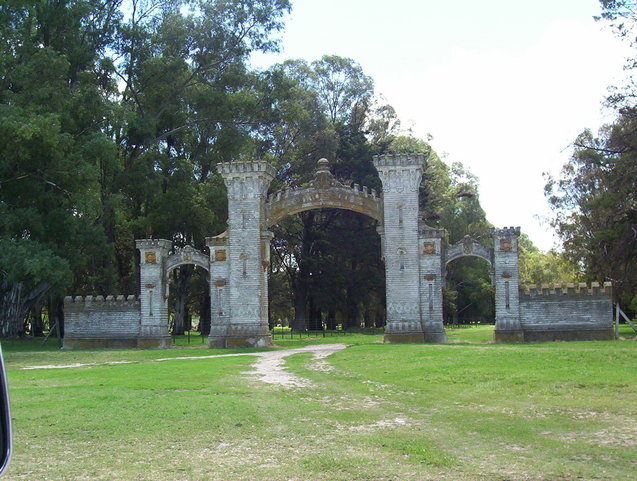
point(247, 257)
point(401, 176)
point(153, 295)
point(506, 280)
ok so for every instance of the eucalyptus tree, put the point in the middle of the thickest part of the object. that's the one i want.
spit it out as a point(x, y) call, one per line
point(54, 88)
point(112, 116)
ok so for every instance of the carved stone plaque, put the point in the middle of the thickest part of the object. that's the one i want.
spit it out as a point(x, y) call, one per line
point(220, 255)
point(429, 248)
point(151, 258)
point(220, 283)
point(505, 245)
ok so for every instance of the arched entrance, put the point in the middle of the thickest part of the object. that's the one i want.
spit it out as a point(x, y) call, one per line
point(412, 253)
point(469, 270)
point(156, 263)
point(241, 255)
point(503, 259)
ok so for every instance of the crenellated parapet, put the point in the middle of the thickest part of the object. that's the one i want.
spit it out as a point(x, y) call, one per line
point(558, 291)
point(246, 180)
point(390, 160)
point(324, 191)
point(400, 173)
point(153, 244)
point(104, 322)
point(567, 312)
point(83, 301)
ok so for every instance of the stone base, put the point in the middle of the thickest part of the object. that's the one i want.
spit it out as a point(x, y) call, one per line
point(436, 337)
point(230, 342)
point(404, 337)
point(164, 342)
point(569, 335)
point(508, 336)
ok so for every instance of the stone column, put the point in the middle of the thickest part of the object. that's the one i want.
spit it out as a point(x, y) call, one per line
point(506, 280)
point(219, 298)
point(432, 280)
point(153, 294)
point(401, 176)
point(247, 184)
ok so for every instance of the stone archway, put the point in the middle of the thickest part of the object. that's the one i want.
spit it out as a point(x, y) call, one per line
point(503, 258)
point(240, 256)
point(156, 263)
point(412, 252)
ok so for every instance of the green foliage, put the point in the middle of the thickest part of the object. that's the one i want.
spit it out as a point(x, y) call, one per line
point(595, 207)
point(537, 267)
point(112, 118)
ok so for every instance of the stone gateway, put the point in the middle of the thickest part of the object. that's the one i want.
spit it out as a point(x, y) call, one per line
point(414, 255)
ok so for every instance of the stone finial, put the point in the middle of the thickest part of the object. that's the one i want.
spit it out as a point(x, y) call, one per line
point(323, 178)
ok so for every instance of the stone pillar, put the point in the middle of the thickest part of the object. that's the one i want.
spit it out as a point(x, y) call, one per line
point(153, 294)
point(219, 291)
point(506, 280)
point(401, 176)
point(432, 280)
point(247, 184)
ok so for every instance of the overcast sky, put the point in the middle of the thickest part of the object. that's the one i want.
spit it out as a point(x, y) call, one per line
point(503, 86)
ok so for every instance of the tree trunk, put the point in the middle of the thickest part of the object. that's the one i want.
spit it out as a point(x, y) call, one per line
point(204, 315)
point(37, 324)
point(300, 309)
point(14, 306)
point(367, 316)
point(331, 319)
point(181, 278)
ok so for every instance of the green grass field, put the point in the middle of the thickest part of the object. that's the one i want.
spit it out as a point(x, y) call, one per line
point(468, 410)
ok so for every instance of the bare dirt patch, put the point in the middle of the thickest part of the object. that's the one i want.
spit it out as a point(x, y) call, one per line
point(269, 367)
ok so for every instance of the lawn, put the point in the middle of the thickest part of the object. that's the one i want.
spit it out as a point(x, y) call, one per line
point(468, 410)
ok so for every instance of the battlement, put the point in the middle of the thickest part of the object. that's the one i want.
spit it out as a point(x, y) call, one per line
point(399, 160)
point(559, 290)
point(246, 168)
point(97, 301)
point(153, 244)
point(505, 231)
point(355, 189)
point(430, 232)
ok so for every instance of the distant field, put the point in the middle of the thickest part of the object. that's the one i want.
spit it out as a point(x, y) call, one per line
point(468, 410)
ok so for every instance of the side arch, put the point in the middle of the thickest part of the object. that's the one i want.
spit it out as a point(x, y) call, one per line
point(186, 255)
point(468, 247)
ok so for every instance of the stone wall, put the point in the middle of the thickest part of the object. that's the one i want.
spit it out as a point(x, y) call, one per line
point(101, 322)
point(98, 322)
point(567, 313)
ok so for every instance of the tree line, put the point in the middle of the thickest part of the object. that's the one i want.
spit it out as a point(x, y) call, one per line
point(114, 114)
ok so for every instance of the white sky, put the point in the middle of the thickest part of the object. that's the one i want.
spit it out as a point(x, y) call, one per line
point(503, 86)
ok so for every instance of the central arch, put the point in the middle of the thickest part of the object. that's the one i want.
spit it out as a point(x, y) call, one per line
point(241, 256)
point(324, 191)
point(412, 253)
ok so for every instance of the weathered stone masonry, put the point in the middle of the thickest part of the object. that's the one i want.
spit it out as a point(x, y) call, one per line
point(415, 267)
point(95, 322)
point(567, 313)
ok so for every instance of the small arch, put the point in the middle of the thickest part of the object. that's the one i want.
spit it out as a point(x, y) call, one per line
point(468, 247)
point(184, 256)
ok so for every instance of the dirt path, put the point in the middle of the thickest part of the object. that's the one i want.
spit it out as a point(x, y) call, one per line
point(269, 366)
